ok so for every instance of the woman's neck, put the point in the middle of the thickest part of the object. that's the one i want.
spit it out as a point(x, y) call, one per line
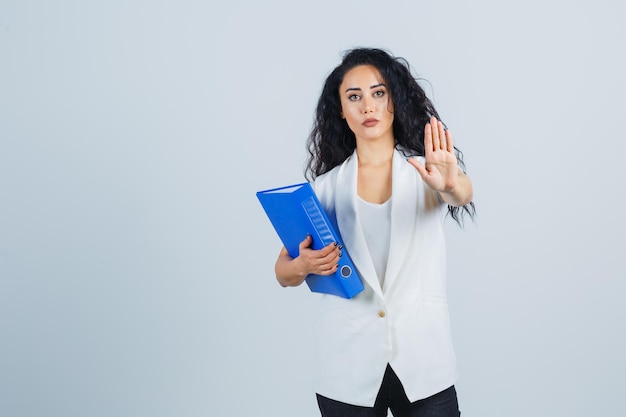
point(375, 153)
point(374, 171)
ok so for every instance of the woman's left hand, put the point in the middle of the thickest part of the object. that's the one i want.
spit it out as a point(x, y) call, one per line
point(441, 172)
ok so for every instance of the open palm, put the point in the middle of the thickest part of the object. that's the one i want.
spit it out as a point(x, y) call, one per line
point(440, 171)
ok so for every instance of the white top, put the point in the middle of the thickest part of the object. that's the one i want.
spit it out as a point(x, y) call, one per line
point(376, 224)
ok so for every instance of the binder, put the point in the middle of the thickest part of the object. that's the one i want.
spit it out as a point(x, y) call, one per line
point(295, 211)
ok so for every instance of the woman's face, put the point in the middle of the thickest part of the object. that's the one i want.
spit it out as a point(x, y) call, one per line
point(366, 104)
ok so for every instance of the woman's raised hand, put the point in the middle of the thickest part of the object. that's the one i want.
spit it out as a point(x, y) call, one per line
point(440, 172)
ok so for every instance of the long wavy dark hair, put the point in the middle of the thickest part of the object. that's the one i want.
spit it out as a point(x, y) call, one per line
point(331, 141)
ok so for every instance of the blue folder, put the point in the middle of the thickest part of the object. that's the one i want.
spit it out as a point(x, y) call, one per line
point(295, 211)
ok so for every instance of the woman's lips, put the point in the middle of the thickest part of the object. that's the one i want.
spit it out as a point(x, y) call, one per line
point(370, 122)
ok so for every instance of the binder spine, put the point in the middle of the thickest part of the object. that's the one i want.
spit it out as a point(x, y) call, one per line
point(320, 224)
point(318, 220)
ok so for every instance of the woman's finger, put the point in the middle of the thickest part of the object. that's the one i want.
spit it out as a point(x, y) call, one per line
point(434, 134)
point(329, 271)
point(449, 142)
point(428, 138)
point(442, 135)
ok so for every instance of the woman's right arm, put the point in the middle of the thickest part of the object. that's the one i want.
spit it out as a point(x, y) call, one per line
point(291, 272)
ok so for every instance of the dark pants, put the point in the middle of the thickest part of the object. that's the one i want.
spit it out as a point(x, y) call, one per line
point(392, 396)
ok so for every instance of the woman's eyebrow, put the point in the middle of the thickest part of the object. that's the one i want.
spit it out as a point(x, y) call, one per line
point(371, 87)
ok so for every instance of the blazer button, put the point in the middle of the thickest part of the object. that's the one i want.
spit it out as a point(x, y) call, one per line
point(381, 313)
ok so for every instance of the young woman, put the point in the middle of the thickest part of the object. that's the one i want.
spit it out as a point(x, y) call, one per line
point(385, 168)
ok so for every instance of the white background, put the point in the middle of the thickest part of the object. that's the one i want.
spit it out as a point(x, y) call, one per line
point(136, 265)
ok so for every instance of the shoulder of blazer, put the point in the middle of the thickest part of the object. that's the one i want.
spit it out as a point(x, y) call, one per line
point(329, 178)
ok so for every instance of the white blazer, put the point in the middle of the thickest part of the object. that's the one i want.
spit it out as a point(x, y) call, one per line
point(406, 322)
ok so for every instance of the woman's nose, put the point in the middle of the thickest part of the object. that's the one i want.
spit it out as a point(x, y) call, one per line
point(368, 105)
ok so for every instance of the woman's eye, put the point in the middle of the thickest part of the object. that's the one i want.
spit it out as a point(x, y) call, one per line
point(353, 97)
point(379, 93)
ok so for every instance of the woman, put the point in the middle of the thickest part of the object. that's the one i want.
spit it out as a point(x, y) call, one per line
point(385, 169)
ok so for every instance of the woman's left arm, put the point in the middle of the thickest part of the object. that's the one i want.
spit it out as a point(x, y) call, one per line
point(441, 171)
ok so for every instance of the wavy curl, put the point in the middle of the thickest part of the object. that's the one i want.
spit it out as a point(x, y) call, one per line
point(331, 141)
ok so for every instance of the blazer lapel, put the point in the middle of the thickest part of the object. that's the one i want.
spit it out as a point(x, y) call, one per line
point(349, 224)
point(404, 203)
